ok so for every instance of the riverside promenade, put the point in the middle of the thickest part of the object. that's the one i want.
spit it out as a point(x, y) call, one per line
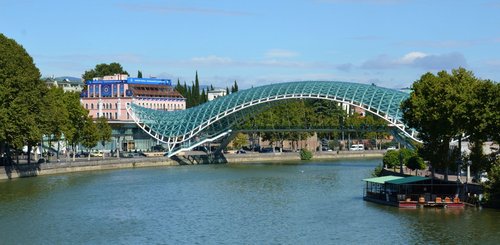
point(82, 164)
point(95, 164)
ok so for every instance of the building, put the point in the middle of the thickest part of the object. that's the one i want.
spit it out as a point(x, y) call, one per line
point(213, 94)
point(66, 84)
point(108, 97)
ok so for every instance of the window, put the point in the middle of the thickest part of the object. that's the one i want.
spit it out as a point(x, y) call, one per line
point(122, 90)
point(116, 115)
point(97, 91)
point(92, 106)
point(86, 106)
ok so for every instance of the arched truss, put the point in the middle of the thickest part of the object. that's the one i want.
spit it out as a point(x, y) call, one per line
point(183, 130)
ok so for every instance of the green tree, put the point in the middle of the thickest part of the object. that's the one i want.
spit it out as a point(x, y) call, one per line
point(103, 69)
point(234, 88)
point(90, 135)
point(240, 140)
point(305, 154)
point(394, 158)
point(56, 119)
point(391, 159)
point(416, 163)
point(104, 131)
point(195, 92)
point(21, 95)
point(445, 106)
point(139, 74)
point(77, 118)
point(492, 186)
point(434, 109)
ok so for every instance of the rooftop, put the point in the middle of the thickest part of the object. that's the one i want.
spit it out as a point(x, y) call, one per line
point(383, 179)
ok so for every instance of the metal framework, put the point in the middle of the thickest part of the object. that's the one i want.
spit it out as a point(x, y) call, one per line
point(183, 130)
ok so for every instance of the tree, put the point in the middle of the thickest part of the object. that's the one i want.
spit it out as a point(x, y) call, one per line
point(492, 186)
point(416, 163)
point(432, 109)
point(56, 118)
point(305, 154)
point(240, 140)
point(104, 131)
point(234, 88)
point(77, 118)
point(391, 159)
point(139, 74)
point(203, 97)
point(21, 93)
point(90, 135)
point(103, 69)
point(446, 106)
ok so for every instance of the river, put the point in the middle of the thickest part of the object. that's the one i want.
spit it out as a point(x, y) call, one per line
point(313, 203)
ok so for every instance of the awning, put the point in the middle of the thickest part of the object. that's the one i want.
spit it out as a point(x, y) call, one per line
point(406, 180)
point(383, 179)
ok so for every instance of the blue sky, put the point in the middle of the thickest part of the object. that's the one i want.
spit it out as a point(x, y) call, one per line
point(387, 42)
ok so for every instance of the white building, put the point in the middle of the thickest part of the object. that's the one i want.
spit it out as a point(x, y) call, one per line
point(216, 93)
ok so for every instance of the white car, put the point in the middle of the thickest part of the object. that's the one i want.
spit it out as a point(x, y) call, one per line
point(391, 148)
point(359, 147)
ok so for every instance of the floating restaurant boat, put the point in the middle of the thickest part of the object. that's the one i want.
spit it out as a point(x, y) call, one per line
point(411, 192)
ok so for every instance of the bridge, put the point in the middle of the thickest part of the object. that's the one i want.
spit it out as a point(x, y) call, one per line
point(186, 129)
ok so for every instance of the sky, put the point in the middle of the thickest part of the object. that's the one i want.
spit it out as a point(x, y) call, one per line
point(390, 43)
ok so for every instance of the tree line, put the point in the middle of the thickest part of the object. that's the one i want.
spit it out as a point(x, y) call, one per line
point(195, 95)
point(289, 115)
point(29, 109)
point(454, 106)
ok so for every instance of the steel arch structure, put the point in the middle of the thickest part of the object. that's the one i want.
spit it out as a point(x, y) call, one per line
point(183, 130)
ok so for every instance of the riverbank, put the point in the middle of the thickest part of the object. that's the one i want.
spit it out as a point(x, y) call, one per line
point(294, 156)
point(31, 170)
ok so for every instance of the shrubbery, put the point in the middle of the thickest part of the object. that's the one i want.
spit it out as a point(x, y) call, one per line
point(305, 154)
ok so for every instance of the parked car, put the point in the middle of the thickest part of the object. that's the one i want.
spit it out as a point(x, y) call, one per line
point(241, 151)
point(391, 148)
point(135, 154)
point(357, 147)
point(96, 154)
point(157, 148)
point(266, 150)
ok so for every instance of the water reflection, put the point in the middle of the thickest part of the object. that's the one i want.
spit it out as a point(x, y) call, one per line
point(315, 203)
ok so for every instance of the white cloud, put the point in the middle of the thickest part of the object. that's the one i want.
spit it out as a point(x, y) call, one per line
point(411, 57)
point(280, 53)
point(211, 60)
point(418, 60)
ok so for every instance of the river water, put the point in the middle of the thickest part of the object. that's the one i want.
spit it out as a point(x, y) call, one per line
point(314, 203)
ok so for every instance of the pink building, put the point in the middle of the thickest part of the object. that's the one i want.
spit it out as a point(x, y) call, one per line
point(109, 96)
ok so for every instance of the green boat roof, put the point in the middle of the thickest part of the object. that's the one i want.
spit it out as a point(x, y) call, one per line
point(383, 179)
point(406, 180)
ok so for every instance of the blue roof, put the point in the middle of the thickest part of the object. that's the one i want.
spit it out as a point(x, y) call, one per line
point(133, 80)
